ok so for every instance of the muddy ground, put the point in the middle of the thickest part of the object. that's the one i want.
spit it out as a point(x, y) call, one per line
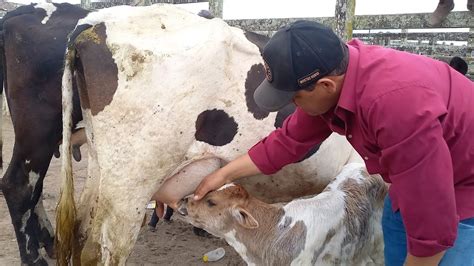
point(172, 244)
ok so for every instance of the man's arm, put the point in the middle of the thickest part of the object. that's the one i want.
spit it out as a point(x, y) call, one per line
point(424, 261)
point(406, 125)
point(300, 132)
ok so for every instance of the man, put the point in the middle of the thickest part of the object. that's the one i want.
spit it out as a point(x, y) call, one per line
point(410, 117)
point(443, 9)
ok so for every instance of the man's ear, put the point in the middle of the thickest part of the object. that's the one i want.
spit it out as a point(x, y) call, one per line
point(328, 85)
point(244, 218)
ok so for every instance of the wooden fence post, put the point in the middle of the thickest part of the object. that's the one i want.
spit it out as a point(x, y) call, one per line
point(344, 23)
point(216, 8)
point(470, 43)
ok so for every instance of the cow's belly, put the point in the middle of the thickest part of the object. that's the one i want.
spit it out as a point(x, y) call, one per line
point(305, 178)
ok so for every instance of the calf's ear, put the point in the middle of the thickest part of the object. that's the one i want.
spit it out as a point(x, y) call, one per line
point(244, 218)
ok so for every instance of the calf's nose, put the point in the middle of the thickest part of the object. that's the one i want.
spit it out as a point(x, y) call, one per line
point(183, 207)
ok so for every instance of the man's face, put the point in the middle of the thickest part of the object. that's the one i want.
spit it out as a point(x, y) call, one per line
point(320, 99)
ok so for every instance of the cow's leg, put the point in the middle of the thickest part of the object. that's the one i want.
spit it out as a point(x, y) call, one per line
point(117, 220)
point(46, 230)
point(22, 188)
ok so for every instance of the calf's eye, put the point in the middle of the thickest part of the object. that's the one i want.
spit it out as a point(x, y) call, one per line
point(210, 203)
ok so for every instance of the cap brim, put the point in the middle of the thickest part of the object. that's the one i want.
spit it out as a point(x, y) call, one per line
point(270, 99)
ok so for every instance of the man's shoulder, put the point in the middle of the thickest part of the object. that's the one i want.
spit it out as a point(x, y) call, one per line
point(390, 71)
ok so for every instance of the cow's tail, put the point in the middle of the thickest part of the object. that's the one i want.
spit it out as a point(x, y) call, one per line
point(66, 209)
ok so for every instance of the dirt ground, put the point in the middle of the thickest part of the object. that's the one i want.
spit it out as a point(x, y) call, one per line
point(171, 244)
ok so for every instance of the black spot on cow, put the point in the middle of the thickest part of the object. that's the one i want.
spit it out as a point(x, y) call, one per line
point(283, 114)
point(280, 118)
point(255, 76)
point(206, 14)
point(259, 40)
point(96, 69)
point(215, 127)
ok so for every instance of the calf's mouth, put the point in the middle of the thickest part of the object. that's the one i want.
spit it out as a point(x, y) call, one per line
point(183, 207)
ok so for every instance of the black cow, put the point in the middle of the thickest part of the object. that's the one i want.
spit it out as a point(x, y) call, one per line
point(32, 52)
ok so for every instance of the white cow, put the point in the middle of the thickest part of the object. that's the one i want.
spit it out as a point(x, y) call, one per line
point(165, 95)
point(340, 226)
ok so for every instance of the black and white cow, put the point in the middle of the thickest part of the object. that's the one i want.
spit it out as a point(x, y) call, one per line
point(167, 97)
point(32, 51)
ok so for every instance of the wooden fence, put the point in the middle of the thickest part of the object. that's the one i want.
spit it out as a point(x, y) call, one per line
point(435, 44)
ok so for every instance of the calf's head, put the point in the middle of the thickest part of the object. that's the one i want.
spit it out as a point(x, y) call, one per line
point(219, 211)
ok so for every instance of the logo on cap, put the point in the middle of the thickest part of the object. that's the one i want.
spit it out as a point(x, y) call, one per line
point(268, 71)
point(309, 78)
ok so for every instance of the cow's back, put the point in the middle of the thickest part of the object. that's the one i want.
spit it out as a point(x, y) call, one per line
point(34, 45)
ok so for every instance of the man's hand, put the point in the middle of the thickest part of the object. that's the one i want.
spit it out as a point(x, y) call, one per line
point(211, 182)
point(424, 261)
point(240, 167)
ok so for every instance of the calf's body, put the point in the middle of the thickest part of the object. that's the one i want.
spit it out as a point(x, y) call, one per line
point(340, 226)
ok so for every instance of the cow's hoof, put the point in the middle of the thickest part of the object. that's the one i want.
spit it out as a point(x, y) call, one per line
point(48, 245)
point(200, 232)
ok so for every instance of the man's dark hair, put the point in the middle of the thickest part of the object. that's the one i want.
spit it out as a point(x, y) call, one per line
point(340, 69)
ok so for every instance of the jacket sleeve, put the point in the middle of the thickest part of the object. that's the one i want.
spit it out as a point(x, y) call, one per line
point(407, 127)
point(300, 132)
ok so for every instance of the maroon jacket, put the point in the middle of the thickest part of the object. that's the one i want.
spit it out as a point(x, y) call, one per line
point(412, 120)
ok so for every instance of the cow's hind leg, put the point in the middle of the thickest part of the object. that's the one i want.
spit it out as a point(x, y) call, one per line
point(46, 234)
point(22, 188)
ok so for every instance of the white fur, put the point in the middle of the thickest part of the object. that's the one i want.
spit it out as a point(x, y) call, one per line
point(238, 246)
point(42, 217)
point(27, 237)
point(48, 7)
point(80, 124)
point(33, 178)
point(24, 219)
point(226, 186)
point(319, 214)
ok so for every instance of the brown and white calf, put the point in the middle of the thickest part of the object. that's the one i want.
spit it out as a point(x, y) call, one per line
point(340, 226)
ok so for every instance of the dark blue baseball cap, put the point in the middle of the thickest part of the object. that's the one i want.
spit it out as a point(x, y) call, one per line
point(296, 56)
